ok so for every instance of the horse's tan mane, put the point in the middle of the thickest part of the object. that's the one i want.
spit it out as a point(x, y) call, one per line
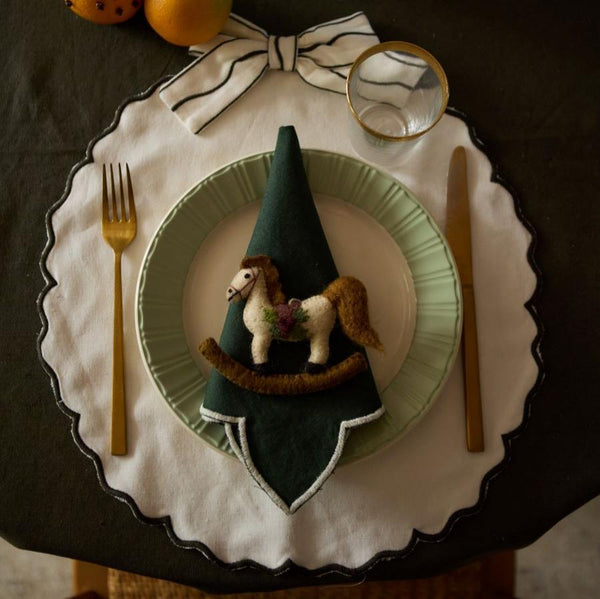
point(274, 291)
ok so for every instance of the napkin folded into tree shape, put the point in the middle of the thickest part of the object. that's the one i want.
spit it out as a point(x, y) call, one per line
point(290, 444)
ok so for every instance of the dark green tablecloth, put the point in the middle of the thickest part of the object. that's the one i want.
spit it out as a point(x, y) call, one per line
point(526, 73)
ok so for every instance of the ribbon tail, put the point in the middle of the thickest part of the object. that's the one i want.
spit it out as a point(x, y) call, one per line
point(213, 82)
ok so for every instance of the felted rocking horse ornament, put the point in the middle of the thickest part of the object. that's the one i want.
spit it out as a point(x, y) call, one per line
point(268, 317)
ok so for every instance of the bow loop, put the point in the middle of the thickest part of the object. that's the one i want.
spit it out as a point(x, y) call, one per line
point(230, 64)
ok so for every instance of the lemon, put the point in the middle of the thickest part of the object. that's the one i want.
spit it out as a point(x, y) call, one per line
point(187, 22)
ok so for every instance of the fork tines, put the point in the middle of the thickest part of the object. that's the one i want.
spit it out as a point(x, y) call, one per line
point(111, 210)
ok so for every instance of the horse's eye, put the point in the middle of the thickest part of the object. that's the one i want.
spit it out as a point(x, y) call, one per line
point(247, 275)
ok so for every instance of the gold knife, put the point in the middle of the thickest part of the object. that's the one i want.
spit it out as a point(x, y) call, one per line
point(458, 234)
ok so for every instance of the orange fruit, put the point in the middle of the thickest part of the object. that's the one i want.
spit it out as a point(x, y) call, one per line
point(105, 12)
point(187, 22)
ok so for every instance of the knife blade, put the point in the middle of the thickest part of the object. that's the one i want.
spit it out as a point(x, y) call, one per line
point(458, 234)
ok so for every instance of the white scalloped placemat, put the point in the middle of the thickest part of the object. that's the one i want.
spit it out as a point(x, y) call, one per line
point(364, 508)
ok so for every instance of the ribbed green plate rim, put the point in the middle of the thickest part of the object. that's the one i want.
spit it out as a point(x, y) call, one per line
point(169, 256)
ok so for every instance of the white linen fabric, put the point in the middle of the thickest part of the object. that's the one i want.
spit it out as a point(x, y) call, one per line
point(366, 507)
point(232, 62)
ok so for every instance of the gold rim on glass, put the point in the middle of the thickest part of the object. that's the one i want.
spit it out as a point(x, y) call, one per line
point(400, 47)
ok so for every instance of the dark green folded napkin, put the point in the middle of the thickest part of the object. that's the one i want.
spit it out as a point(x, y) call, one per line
point(290, 444)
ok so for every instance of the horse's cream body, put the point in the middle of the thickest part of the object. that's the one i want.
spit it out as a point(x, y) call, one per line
point(321, 318)
point(344, 298)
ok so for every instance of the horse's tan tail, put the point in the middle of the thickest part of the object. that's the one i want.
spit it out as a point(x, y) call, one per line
point(349, 297)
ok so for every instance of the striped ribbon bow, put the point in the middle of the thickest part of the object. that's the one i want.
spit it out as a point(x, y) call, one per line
point(231, 63)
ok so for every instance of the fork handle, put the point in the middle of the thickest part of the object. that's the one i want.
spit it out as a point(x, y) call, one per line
point(118, 440)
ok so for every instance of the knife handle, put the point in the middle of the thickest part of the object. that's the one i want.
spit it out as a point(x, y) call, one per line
point(474, 417)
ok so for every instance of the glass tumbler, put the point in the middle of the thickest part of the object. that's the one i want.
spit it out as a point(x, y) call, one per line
point(396, 92)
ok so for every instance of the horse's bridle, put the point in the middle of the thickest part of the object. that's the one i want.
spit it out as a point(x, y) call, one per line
point(251, 281)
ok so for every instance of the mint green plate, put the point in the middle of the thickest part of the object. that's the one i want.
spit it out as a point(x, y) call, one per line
point(167, 262)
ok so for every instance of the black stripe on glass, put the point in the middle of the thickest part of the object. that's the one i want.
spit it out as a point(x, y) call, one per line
point(396, 106)
point(393, 56)
point(386, 83)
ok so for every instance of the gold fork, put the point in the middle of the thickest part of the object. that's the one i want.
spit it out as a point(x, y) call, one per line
point(118, 229)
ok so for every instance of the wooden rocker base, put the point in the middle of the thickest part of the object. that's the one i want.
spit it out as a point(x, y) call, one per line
point(281, 384)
